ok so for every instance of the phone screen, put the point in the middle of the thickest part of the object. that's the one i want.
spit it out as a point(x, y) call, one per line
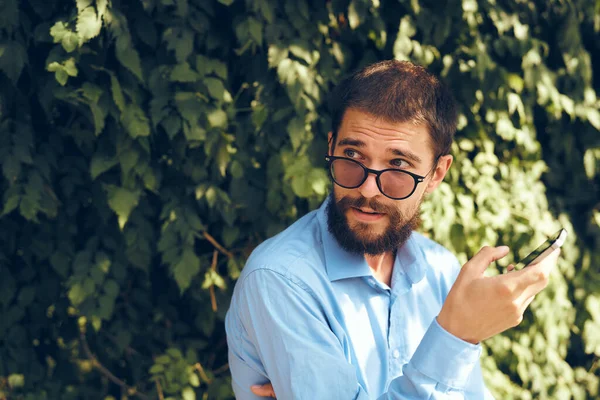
point(536, 253)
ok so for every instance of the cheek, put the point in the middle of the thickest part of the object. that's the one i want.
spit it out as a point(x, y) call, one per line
point(340, 192)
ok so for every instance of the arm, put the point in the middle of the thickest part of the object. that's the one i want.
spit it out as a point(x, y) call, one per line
point(304, 359)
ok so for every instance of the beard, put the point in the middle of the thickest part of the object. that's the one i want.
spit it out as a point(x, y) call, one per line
point(361, 240)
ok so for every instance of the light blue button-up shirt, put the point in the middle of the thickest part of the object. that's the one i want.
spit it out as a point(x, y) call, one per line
point(310, 318)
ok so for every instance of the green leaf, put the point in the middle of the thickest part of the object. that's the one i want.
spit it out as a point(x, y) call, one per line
point(12, 59)
point(83, 4)
point(76, 294)
point(213, 278)
point(11, 204)
point(156, 369)
point(122, 201)
point(92, 92)
point(164, 359)
point(63, 35)
point(99, 115)
point(593, 117)
point(255, 29)
point(128, 56)
point(183, 73)
point(88, 24)
point(174, 352)
point(217, 118)
point(61, 76)
point(194, 380)
point(100, 164)
point(117, 93)
point(301, 50)
point(58, 31)
point(354, 17)
point(216, 89)
point(70, 67)
point(111, 288)
point(188, 393)
point(54, 66)
point(194, 132)
point(16, 381)
point(186, 269)
point(135, 121)
point(226, 2)
point(296, 130)
point(106, 306)
point(591, 160)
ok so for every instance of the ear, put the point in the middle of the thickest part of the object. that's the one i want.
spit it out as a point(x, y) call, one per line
point(330, 143)
point(438, 174)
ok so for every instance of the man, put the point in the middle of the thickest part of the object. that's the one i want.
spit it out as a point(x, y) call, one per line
point(349, 302)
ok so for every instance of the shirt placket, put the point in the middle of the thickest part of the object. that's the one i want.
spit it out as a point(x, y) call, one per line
point(396, 345)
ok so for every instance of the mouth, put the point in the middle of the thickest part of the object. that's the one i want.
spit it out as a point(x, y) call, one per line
point(366, 214)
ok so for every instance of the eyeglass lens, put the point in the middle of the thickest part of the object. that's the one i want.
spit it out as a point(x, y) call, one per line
point(350, 174)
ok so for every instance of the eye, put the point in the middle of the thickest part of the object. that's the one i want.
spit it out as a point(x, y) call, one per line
point(351, 153)
point(400, 163)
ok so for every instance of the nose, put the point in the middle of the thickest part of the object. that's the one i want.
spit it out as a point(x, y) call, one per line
point(369, 187)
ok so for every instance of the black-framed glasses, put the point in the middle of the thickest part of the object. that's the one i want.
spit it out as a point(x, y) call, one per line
point(394, 183)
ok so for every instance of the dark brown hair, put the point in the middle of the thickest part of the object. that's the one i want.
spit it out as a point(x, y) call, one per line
point(398, 91)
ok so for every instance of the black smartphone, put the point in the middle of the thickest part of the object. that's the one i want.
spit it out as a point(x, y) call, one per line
point(543, 250)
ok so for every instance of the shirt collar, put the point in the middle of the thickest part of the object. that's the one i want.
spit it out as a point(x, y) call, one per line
point(341, 264)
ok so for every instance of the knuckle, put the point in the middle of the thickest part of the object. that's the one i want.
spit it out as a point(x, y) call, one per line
point(543, 277)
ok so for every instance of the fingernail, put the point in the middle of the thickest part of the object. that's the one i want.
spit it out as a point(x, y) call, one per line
point(503, 248)
point(255, 386)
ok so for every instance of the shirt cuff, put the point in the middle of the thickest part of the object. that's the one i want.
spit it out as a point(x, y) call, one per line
point(445, 358)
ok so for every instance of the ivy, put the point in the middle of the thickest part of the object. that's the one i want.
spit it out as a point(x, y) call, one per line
point(146, 147)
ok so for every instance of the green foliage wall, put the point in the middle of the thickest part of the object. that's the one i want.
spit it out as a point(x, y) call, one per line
point(147, 146)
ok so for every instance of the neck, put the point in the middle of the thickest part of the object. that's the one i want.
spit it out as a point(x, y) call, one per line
point(382, 266)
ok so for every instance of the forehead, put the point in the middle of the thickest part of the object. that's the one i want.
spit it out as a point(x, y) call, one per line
point(380, 134)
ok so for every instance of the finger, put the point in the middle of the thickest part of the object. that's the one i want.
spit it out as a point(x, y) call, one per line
point(482, 260)
point(535, 277)
point(510, 268)
point(265, 390)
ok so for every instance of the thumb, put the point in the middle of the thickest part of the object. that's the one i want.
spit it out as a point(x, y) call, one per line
point(477, 265)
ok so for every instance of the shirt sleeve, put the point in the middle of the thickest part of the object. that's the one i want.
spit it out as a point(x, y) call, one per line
point(287, 340)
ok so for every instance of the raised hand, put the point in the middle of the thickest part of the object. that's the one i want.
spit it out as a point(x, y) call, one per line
point(479, 307)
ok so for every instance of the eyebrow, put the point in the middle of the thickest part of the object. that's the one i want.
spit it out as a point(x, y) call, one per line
point(397, 152)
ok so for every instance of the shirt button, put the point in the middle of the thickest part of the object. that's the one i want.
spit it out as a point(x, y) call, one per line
point(396, 353)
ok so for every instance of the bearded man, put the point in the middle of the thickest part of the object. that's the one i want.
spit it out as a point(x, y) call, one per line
point(350, 302)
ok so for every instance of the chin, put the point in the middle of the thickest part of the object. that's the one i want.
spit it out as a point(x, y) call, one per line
point(366, 230)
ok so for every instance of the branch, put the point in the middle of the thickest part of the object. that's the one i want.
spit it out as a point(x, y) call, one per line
point(212, 240)
point(203, 375)
point(211, 289)
point(131, 391)
point(222, 368)
point(161, 396)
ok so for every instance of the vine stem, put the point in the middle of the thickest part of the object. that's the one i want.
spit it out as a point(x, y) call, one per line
point(202, 373)
point(213, 298)
point(161, 396)
point(212, 240)
point(132, 391)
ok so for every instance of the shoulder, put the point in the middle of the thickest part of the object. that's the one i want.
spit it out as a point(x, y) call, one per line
point(294, 256)
point(435, 254)
point(442, 265)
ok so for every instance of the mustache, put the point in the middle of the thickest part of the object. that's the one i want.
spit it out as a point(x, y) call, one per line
point(347, 202)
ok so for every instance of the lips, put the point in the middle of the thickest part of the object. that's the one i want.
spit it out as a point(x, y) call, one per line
point(367, 211)
point(366, 215)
